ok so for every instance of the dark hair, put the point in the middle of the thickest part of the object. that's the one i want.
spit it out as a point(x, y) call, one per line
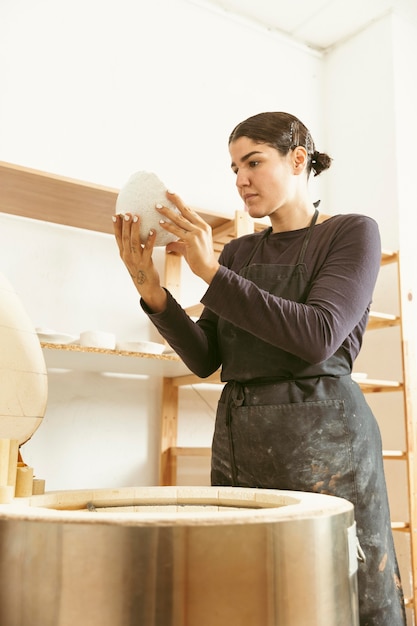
point(284, 132)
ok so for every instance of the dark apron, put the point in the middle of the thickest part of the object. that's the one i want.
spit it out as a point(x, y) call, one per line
point(306, 427)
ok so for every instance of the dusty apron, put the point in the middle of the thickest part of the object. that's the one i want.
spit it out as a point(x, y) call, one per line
point(307, 428)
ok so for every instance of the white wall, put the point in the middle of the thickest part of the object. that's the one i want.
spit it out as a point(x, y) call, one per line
point(97, 90)
point(372, 130)
point(405, 89)
point(360, 129)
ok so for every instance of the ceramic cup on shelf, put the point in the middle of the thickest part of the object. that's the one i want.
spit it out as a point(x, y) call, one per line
point(97, 339)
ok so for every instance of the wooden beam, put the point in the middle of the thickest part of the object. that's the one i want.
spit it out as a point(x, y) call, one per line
point(169, 425)
point(408, 306)
point(51, 198)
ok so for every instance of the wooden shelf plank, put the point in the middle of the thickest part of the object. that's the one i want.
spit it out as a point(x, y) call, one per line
point(403, 527)
point(71, 357)
point(370, 385)
point(367, 385)
point(190, 451)
point(389, 256)
point(35, 194)
point(169, 429)
point(382, 320)
point(57, 199)
point(376, 320)
point(68, 356)
point(194, 310)
point(395, 455)
point(191, 379)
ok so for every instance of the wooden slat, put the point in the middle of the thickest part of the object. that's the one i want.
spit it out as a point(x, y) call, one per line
point(43, 196)
point(58, 199)
point(370, 385)
point(224, 233)
point(395, 455)
point(169, 423)
point(36, 194)
point(376, 320)
point(401, 526)
point(194, 310)
point(408, 311)
point(382, 320)
point(173, 274)
point(389, 256)
point(192, 379)
point(75, 357)
point(190, 451)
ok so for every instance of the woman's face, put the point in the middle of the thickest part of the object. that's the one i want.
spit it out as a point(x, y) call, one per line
point(265, 179)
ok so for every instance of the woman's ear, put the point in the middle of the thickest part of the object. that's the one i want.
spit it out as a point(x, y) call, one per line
point(299, 159)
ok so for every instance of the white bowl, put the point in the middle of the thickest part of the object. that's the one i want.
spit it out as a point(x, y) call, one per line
point(52, 336)
point(139, 196)
point(97, 339)
point(147, 347)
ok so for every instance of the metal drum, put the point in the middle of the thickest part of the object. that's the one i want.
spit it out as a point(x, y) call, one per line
point(178, 556)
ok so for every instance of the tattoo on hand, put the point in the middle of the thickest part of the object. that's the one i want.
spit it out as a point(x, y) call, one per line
point(141, 277)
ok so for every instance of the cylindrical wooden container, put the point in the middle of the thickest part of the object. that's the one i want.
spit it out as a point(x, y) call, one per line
point(172, 556)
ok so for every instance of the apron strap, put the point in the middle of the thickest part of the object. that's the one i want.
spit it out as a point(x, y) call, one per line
point(268, 231)
point(307, 237)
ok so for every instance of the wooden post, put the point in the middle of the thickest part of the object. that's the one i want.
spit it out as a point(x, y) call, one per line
point(169, 424)
point(408, 314)
point(8, 468)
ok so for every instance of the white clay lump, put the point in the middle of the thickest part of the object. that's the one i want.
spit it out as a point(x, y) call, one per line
point(139, 196)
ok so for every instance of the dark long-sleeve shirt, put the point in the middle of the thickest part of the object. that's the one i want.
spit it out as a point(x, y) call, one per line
point(342, 262)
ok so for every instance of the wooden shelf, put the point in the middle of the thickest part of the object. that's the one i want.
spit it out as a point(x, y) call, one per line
point(382, 320)
point(73, 357)
point(191, 379)
point(190, 451)
point(39, 195)
point(35, 194)
point(389, 256)
point(401, 526)
point(375, 322)
point(370, 385)
point(395, 455)
point(390, 455)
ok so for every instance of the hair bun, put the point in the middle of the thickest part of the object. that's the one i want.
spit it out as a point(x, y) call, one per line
point(320, 161)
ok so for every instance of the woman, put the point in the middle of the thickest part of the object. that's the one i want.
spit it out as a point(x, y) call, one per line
point(284, 315)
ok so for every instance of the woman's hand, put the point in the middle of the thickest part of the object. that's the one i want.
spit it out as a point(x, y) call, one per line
point(195, 239)
point(138, 260)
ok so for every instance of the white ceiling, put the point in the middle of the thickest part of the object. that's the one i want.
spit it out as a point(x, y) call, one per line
point(319, 24)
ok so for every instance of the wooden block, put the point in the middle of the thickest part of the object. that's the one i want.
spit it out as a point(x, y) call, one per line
point(4, 462)
point(24, 482)
point(38, 488)
point(6, 494)
point(13, 456)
